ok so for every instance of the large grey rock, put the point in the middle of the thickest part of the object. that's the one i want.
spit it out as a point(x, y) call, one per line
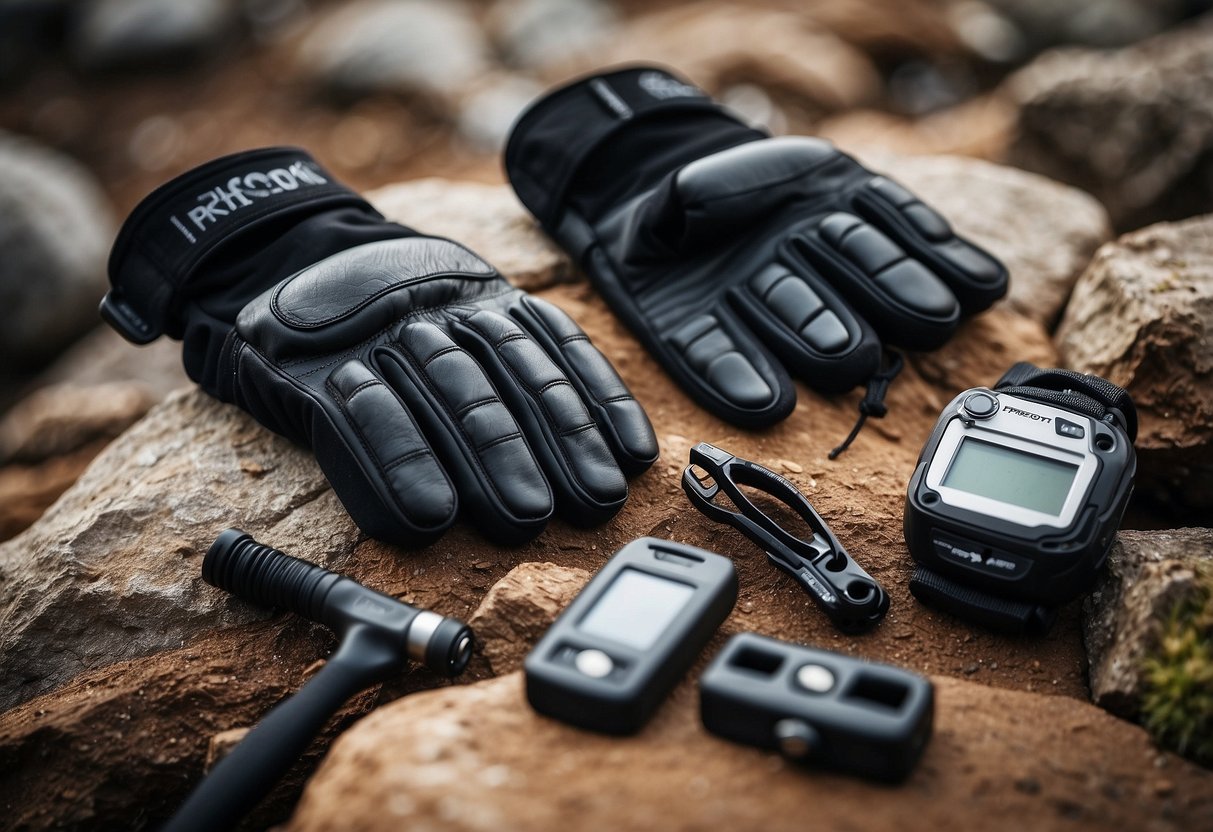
point(1103, 23)
point(1142, 316)
point(477, 758)
point(113, 572)
point(487, 113)
point(55, 231)
point(1134, 127)
point(1149, 574)
point(431, 51)
point(1044, 232)
point(533, 34)
point(131, 33)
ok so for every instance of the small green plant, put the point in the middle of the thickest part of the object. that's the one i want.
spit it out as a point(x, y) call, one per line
point(1177, 707)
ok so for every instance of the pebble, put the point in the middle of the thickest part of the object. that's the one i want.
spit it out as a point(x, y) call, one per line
point(791, 467)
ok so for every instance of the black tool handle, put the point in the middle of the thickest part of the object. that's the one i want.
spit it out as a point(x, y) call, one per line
point(245, 775)
point(265, 576)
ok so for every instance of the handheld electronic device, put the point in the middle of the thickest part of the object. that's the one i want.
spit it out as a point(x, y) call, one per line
point(818, 707)
point(624, 642)
point(810, 553)
point(1017, 495)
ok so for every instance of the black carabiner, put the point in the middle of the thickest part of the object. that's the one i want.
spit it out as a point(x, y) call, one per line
point(851, 597)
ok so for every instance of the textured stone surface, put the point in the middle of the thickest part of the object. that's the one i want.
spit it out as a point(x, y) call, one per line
point(113, 572)
point(55, 231)
point(488, 219)
point(519, 608)
point(718, 45)
point(1148, 574)
point(480, 759)
point(1142, 316)
point(1134, 127)
point(430, 51)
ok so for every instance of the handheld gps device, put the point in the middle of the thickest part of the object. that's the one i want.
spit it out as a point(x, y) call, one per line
point(818, 707)
point(1017, 495)
point(624, 642)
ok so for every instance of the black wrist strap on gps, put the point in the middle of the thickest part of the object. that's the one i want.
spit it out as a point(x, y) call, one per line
point(1096, 397)
point(171, 232)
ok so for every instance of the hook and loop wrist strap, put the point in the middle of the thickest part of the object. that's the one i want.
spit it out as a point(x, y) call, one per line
point(174, 229)
point(1091, 395)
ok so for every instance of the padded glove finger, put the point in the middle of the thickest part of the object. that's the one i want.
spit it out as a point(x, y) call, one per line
point(579, 465)
point(474, 433)
point(620, 417)
point(718, 360)
point(975, 277)
point(379, 464)
point(803, 321)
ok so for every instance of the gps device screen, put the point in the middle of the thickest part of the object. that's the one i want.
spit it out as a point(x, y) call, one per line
point(636, 609)
point(1011, 476)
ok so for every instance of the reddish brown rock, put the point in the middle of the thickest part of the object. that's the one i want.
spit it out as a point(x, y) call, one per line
point(1142, 317)
point(519, 608)
point(480, 759)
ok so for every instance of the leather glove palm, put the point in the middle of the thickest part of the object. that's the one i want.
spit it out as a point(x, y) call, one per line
point(416, 373)
point(736, 257)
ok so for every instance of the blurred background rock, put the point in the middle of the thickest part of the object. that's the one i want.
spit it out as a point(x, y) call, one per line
point(102, 100)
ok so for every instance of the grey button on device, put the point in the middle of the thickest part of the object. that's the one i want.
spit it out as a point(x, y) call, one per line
point(1067, 428)
point(797, 739)
point(815, 678)
point(594, 663)
point(980, 405)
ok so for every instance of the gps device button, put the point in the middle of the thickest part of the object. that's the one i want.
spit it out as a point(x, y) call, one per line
point(815, 678)
point(594, 663)
point(980, 405)
point(1070, 429)
point(797, 739)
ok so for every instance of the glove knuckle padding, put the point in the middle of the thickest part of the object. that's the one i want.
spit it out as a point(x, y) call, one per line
point(339, 329)
point(723, 248)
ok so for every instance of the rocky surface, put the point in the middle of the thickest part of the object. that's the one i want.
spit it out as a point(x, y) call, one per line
point(1134, 127)
point(539, 33)
point(1142, 316)
point(719, 45)
point(55, 231)
point(519, 608)
point(1149, 574)
point(98, 388)
point(428, 51)
point(127, 33)
point(105, 620)
point(480, 759)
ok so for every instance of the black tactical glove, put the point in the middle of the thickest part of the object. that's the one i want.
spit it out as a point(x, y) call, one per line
point(732, 255)
point(409, 365)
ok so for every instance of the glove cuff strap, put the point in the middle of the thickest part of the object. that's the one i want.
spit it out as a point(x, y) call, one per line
point(173, 230)
point(552, 138)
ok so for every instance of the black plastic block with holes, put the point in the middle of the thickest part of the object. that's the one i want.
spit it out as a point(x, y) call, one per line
point(818, 707)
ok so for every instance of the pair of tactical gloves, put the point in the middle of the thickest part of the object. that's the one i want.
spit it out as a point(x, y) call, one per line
point(425, 383)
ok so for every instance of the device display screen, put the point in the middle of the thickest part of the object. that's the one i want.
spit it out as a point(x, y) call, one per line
point(636, 608)
point(1011, 476)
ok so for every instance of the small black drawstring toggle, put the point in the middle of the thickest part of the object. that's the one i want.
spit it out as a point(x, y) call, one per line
point(873, 404)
